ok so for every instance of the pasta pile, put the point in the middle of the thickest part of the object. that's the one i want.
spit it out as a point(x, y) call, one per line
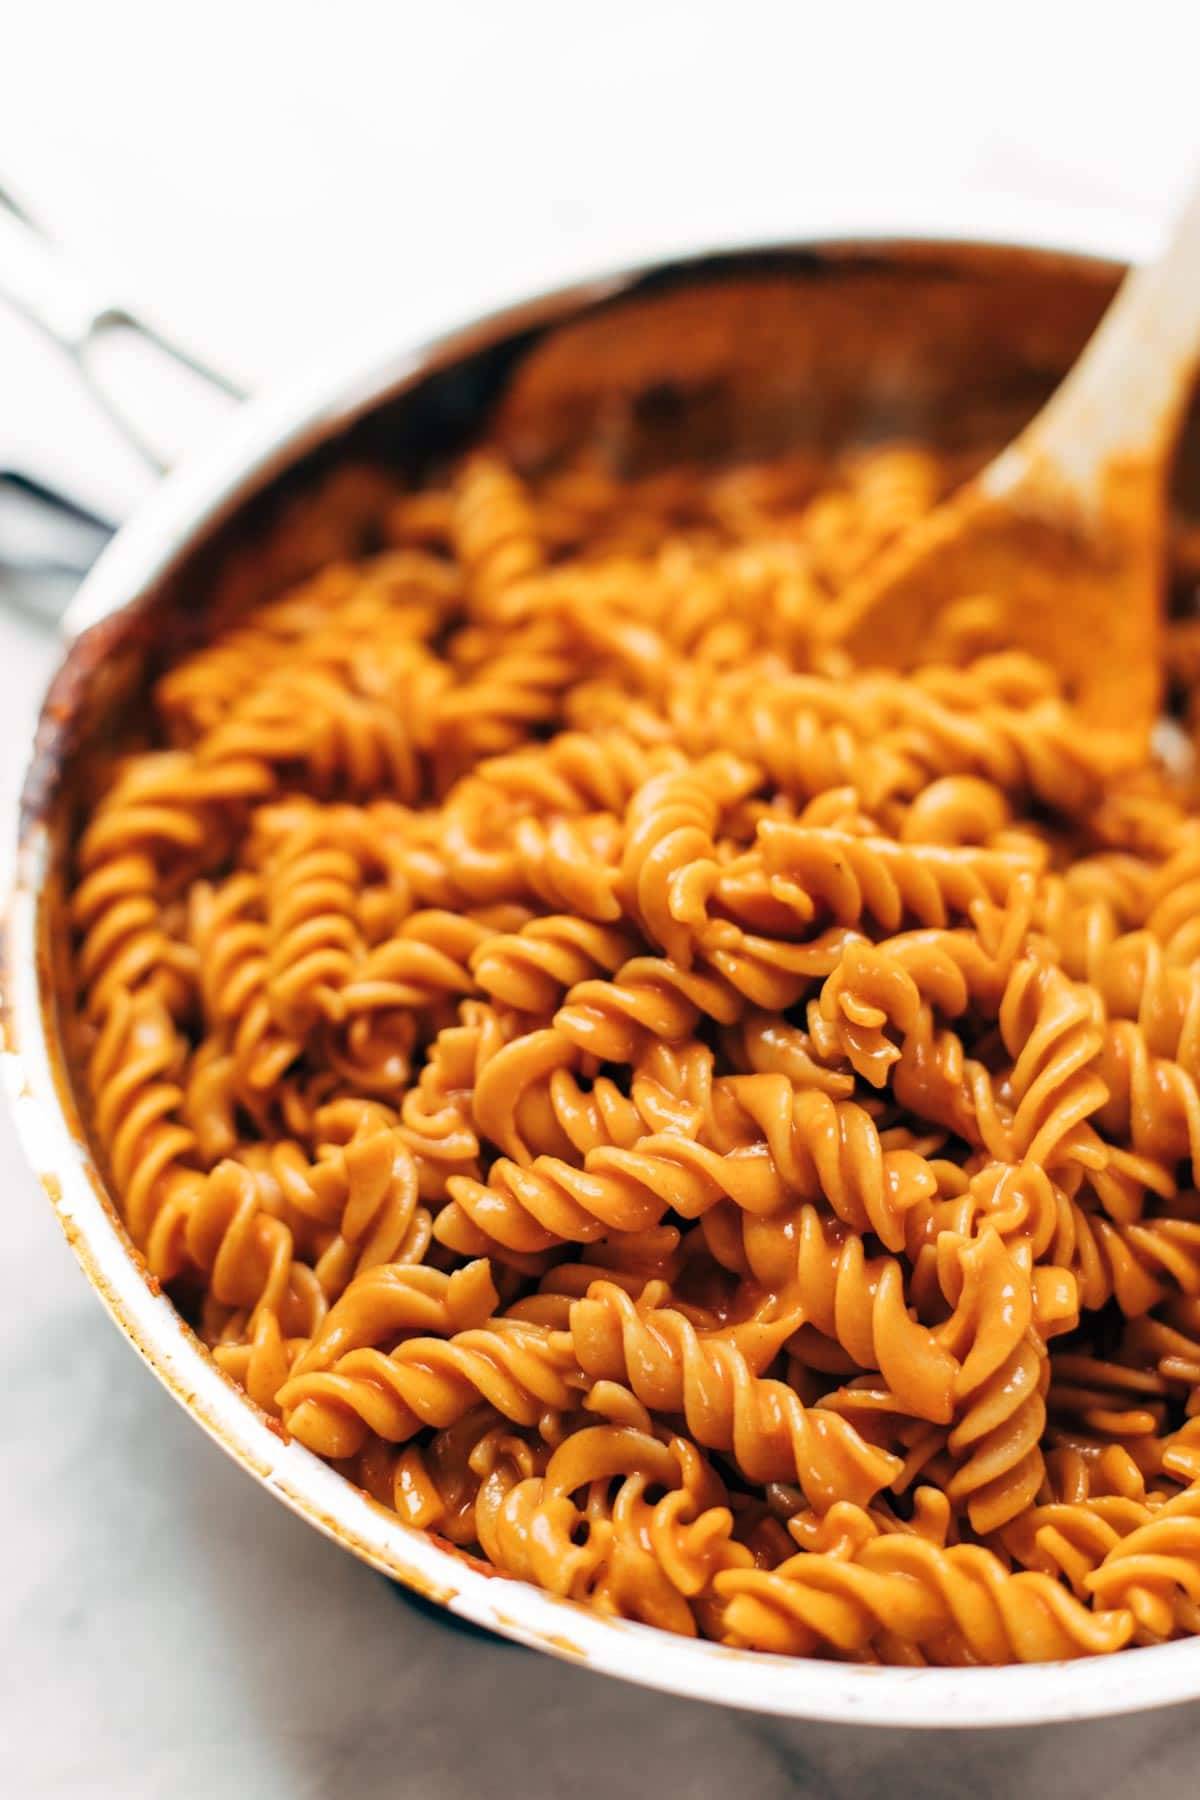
point(709, 1130)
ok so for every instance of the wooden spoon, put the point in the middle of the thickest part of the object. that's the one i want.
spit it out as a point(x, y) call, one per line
point(1063, 535)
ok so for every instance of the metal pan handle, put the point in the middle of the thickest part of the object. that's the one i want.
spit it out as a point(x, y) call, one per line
point(87, 322)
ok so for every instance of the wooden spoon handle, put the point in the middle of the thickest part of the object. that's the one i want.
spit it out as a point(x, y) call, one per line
point(1123, 399)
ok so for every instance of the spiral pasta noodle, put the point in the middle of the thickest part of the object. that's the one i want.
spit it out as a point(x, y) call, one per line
point(710, 1129)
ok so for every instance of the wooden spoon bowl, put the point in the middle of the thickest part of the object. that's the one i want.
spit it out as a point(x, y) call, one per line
point(1061, 540)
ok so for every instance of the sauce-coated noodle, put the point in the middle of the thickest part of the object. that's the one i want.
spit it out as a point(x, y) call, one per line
point(712, 1130)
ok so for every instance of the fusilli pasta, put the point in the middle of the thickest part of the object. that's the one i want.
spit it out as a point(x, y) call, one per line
point(712, 1130)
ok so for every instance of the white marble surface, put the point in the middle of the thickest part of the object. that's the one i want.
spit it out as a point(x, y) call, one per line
point(274, 180)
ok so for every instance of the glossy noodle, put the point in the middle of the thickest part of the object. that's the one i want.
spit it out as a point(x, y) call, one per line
point(709, 1129)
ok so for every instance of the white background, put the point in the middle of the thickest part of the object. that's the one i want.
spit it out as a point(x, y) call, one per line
point(278, 183)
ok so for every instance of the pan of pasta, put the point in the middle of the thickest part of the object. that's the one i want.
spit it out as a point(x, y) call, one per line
point(674, 1144)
